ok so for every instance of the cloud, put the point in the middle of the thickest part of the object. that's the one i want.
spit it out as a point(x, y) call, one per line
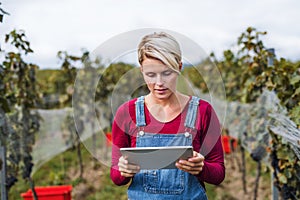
point(53, 25)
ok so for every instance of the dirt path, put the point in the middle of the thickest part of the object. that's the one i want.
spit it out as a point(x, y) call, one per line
point(90, 182)
point(232, 186)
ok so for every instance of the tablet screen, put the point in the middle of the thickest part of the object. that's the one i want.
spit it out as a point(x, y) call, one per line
point(157, 157)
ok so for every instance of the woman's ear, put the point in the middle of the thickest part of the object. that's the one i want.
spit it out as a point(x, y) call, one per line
point(180, 66)
point(141, 68)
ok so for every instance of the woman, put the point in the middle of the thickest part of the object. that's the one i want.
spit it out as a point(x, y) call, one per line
point(177, 119)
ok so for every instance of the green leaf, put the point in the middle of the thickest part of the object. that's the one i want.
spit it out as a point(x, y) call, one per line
point(295, 80)
point(296, 92)
point(6, 38)
point(282, 178)
point(295, 113)
point(4, 105)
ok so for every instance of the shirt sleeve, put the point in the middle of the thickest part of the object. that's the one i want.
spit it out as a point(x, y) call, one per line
point(211, 148)
point(119, 139)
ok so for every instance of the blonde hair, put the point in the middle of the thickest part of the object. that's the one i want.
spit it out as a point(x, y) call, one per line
point(161, 46)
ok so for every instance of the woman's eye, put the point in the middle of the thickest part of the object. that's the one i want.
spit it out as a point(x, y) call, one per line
point(167, 73)
point(150, 74)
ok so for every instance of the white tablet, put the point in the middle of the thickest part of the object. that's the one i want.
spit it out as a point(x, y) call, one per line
point(157, 157)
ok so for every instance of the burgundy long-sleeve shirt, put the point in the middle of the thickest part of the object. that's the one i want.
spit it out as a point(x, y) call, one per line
point(206, 138)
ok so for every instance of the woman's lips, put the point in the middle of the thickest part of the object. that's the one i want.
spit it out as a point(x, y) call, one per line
point(160, 90)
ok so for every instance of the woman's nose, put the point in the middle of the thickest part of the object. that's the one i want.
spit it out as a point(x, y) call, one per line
point(159, 80)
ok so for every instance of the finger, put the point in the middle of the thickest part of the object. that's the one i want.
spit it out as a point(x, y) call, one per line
point(123, 159)
point(127, 174)
point(195, 154)
point(129, 168)
point(123, 162)
point(191, 170)
point(197, 157)
point(190, 165)
point(195, 172)
point(196, 162)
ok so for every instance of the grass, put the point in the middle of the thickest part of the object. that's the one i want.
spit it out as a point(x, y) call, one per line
point(52, 172)
point(109, 190)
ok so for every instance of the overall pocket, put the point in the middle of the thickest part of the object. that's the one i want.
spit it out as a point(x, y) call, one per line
point(164, 181)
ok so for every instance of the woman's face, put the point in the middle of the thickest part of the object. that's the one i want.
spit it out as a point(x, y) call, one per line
point(160, 79)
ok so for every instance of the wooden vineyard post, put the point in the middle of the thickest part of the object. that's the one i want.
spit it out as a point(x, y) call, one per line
point(3, 172)
point(274, 189)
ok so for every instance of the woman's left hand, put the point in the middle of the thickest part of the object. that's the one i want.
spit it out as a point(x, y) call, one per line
point(193, 165)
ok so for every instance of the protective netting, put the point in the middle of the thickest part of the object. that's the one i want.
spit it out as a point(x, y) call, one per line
point(58, 133)
point(250, 122)
point(49, 140)
point(283, 126)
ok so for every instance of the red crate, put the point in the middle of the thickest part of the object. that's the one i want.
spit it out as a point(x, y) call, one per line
point(226, 143)
point(61, 192)
point(108, 139)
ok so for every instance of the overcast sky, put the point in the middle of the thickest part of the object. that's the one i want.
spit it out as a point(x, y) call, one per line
point(70, 25)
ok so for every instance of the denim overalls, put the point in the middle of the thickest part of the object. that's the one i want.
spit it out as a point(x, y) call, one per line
point(165, 183)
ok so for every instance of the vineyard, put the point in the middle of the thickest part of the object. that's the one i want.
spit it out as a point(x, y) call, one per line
point(55, 124)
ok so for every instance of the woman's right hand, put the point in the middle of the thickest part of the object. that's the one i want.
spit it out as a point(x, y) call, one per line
point(126, 169)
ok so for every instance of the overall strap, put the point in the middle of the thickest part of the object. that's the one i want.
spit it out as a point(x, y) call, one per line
point(139, 112)
point(189, 120)
point(192, 113)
